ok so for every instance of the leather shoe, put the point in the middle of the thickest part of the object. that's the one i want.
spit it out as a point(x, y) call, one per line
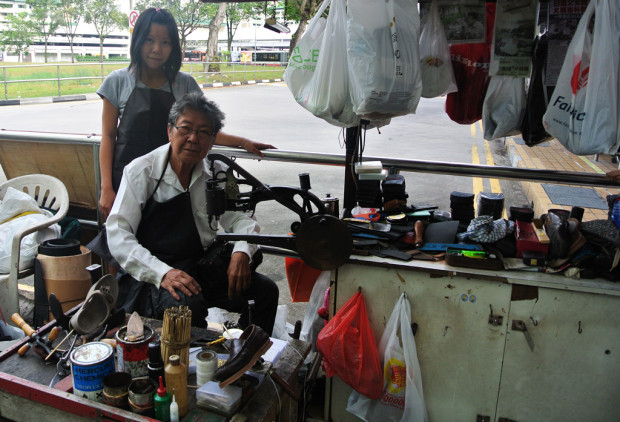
point(99, 301)
point(245, 351)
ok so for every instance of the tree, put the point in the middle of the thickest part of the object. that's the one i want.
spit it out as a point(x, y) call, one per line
point(70, 13)
point(214, 29)
point(300, 11)
point(189, 15)
point(18, 35)
point(235, 13)
point(43, 20)
point(105, 16)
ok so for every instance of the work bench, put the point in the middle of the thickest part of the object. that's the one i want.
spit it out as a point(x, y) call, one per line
point(25, 395)
point(495, 345)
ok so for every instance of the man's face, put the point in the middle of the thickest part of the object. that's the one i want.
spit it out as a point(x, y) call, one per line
point(191, 137)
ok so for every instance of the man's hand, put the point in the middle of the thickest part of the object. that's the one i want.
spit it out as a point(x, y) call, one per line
point(180, 280)
point(239, 274)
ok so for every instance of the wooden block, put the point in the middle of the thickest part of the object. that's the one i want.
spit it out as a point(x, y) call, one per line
point(540, 231)
point(65, 384)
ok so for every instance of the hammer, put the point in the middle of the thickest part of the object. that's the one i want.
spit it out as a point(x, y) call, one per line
point(35, 339)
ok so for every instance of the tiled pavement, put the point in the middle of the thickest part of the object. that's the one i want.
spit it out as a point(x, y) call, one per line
point(553, 156)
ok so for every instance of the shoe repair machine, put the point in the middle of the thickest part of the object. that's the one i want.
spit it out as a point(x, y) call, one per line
point(322, 240)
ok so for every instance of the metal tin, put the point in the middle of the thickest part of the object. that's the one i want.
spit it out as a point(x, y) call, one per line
point(115, 387)
point(133, 356)
point(90, 364)
point(331, 205)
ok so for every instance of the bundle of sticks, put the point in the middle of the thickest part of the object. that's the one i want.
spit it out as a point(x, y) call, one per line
point(176, 334)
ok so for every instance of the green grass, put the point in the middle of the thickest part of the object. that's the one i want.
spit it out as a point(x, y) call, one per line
point(28, 87)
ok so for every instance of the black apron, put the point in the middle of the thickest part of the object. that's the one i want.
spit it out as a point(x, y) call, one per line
point(166, 232)
point(142, 128)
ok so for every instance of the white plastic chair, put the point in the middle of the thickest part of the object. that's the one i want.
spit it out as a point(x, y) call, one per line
point(49, 192)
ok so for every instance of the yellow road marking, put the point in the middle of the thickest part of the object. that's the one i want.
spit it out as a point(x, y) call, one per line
point(25, 287)
point(472, 130)
point(495, 186)
point(591, 164)
point(477, 181)
point(480, 125)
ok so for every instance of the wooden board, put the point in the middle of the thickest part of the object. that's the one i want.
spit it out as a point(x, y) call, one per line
point(73, 163)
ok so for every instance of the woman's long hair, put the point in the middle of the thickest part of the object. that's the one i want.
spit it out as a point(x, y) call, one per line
point(140, 33)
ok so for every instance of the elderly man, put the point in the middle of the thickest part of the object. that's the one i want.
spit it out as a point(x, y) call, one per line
point(158, 229)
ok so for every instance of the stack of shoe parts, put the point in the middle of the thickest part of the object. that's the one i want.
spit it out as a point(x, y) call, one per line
point(462, 207)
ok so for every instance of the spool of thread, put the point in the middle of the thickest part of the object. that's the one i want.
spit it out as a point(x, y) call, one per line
point(206, 364)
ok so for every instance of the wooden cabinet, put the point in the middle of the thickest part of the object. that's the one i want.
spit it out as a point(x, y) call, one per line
point(475, 334)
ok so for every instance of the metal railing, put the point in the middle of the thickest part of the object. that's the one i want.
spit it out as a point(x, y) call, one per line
point(422, 166)
point(203, 72)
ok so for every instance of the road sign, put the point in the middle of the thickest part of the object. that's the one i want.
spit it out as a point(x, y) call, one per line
point(133, 16)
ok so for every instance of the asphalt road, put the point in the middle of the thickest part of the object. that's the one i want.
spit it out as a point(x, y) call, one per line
point(268, 113)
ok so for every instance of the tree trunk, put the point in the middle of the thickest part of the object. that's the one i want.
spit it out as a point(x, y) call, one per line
point(214, 27)
point(45, 51)
point(72, 55)
point(297, 35)
point(100, 49)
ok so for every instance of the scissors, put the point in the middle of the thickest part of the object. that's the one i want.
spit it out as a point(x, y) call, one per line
point(370, 216)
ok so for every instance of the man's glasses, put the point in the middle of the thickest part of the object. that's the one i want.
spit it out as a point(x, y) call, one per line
point(200, 133)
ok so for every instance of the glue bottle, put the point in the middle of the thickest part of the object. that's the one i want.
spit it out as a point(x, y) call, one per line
point(162, 402)
point(176, 380)
point(174, 410)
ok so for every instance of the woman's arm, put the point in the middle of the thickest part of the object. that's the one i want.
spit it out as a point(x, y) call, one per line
point(227, 140)
point(109, 122)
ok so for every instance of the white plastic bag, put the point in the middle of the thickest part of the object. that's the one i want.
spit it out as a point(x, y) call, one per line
point(317, 72)
point(384, 57)
point(435, 62)
point(15, 203)
point(503, 107)
point(403, 398)
point(313, 323)
point(584, 110)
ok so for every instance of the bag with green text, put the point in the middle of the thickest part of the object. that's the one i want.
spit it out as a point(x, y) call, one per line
point(317, 71)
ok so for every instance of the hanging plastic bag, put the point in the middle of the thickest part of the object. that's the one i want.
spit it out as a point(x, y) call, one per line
point(532, 130)
point(384, 58)
point(435, 63)
point(317, 72)
point(583, 113)
point(504, 104)
point(348, 347)
point(470, 63)
point(402, 398)
point(313, 322)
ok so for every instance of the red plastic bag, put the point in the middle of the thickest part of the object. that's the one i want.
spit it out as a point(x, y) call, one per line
point(471, 70)
point(301, 278)
point(349, 350)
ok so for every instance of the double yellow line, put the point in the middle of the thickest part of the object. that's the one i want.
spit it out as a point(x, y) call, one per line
point(475, 159)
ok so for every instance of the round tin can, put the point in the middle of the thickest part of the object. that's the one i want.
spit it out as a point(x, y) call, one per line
point(331, 205)
point(90, 364)
point(133, 356)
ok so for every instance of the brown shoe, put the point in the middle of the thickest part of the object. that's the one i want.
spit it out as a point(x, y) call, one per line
point(251, 345)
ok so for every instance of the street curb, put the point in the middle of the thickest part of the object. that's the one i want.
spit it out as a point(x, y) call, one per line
point(84, 97)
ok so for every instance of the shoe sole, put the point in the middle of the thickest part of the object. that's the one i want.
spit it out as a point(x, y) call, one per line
point(234, 377)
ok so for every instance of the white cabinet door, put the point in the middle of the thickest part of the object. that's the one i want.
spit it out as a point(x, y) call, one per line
point(459, 351)
point(573, 373)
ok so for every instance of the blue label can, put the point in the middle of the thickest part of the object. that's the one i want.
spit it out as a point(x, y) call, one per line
point(90, 363)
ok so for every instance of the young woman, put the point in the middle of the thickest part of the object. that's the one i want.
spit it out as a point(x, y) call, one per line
point(137, 100)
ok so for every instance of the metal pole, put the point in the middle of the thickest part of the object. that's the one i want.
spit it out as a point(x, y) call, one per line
point(6, 90)
point(58, 78)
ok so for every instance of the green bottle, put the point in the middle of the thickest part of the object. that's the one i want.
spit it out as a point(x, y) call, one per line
point(162, 402)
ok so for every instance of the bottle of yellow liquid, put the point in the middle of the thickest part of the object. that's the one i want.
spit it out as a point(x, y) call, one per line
point(176, 380)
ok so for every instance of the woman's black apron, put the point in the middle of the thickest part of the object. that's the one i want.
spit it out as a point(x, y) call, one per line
point(168, 230)
point(142, 128)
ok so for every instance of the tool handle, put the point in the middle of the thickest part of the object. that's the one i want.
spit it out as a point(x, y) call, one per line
point(53, 335)
point(17, 319)
point(419, 233)
point(23, 350)
point(285, 385)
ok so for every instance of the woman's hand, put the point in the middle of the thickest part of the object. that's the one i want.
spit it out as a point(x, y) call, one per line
point(180, 280)
point(239, 274)
point(106, 200)
point(256, 147)
point(614, 175)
